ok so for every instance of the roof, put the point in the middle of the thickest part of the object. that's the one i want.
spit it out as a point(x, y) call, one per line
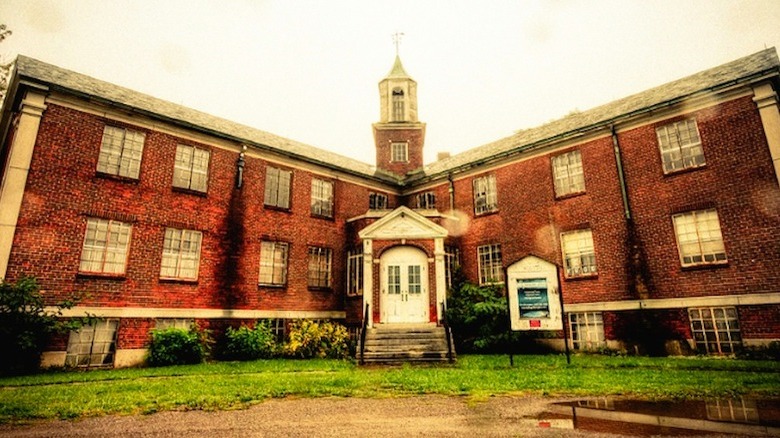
point(398, 72)
point(66, 80)
point(742, 70)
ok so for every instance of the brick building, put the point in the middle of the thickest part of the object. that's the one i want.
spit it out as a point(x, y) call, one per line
point(657, 213)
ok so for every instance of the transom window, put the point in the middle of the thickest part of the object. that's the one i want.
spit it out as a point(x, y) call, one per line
point(699, 239)
point(680, 146)
point(398, 105)
point(567, 172)
point(92, 345)
point(355, 272)
point(181, 254)
point(273, 263)
point(587, 330)
point(120, 152)
point(579, 257)
point(321, 198)
point(277, 187)
point(377, 201)
point(191, 170)
point(485, 196)
point(319, 267)
point(426, 200)
point(105, 247)
point(491, 270)
point(715, 329)
point(399, 151)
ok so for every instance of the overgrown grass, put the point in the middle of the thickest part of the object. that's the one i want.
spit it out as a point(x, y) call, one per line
point(230, 385)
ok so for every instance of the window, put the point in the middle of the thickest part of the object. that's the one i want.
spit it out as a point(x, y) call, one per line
point(398, 105)
point(278, 328)
point(277, 188)
point(715, 329)
point(738, 410)
point(92, 345)
point(105, 247)
point(355, 272)
point(399, 151)
point(174, 323)
point(191, 170)
point(490, 268)
point(699, 240)
point(321, 198)
point(587, 330)
point(273, 263)
point(377, 201)
point(680, 146)
point(319, 267)
point(579, 257)
point(120, 152)
point(181, 254)
point(567, 172)
point(451, 263)
point(426, 201)
point(394, 279)
point(485, 197)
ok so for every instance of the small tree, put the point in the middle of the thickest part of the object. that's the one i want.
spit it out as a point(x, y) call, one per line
point(26, 325)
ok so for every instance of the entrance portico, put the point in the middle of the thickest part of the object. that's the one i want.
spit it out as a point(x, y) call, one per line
point(404, 270)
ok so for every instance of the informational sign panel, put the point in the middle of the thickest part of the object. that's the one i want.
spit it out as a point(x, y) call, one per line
point(534, 303)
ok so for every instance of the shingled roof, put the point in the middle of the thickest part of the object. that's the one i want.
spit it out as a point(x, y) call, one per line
point(742, 70)
point(58, 78)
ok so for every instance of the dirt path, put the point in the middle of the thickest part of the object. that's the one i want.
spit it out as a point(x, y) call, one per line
point(428, 416)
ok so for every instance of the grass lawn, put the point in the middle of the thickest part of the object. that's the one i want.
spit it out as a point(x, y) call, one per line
point(230, 385)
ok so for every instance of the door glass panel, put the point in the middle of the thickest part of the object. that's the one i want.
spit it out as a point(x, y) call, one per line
point(415, 280)
point(394, 280)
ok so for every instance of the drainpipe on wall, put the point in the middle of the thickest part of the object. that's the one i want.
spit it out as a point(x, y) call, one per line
point(621, 175)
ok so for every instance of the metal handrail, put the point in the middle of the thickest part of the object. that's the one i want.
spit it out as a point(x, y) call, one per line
point(363, 335)
point(447, 332)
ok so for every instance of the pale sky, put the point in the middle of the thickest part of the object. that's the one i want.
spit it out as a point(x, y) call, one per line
point(308, 70)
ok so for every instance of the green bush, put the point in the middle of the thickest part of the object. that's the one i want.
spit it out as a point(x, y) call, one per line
point(317, 339)
point(478, 317)
point(245, 343)
point(174, 346)
point(25, 325)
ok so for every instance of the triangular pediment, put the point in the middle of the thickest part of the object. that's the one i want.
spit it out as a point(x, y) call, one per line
point(403, 223)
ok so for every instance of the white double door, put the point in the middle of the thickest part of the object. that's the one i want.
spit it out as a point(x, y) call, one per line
point(404, 285)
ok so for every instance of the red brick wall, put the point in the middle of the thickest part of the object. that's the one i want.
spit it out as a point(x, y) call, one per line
point(384, 137)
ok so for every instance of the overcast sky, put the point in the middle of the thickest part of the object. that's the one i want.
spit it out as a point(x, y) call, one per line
point(309, 70)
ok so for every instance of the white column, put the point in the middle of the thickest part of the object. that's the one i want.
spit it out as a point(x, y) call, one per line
point(368, 279)
point(441, 279)
point(15, 179)
point(766, 101)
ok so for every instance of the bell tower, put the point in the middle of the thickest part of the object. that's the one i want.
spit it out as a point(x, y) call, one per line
point(399, 136)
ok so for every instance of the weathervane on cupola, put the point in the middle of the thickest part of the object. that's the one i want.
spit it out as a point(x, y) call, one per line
point(399, 135)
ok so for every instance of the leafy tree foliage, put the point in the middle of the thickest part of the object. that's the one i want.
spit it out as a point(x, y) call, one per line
point(5, 68)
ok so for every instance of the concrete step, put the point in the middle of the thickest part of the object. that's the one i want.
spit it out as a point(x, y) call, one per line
point(399, 343)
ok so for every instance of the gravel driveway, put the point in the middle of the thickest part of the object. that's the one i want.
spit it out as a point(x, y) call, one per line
point(428, 416)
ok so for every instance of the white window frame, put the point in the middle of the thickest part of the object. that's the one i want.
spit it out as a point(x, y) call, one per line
point(121, 151)
point(106, 247)
point(715, 330)
point(451, 263)
point(93, 345)
point(485, 194)
point(278, 185)
point(399, 152)
point(579, 254)
point(377, 201)
point(181, 254)
point(699, 238)
point(680, 146)
point(274, 258)
point(320, 263)
point(321, 198)
point(426, 201)
point(191, 169)
point(568, 174)
point(174, 323)
point(491, 269)
point(587, 330)
point(399, 104)
point(355, 272)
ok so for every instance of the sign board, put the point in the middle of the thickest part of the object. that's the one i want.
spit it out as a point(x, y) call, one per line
point(533, 289)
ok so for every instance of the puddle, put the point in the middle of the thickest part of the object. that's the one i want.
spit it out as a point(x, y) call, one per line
point(737, 416)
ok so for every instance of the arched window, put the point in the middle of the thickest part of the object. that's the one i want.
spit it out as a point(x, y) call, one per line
point(398, 105)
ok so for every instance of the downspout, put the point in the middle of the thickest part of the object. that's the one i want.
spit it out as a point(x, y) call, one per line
point(621, 174)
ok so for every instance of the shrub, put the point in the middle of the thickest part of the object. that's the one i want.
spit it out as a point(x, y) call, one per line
point(25, 325)
point(317, 339)
point(175, 346)
point(478, 317)
point(244, 343)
